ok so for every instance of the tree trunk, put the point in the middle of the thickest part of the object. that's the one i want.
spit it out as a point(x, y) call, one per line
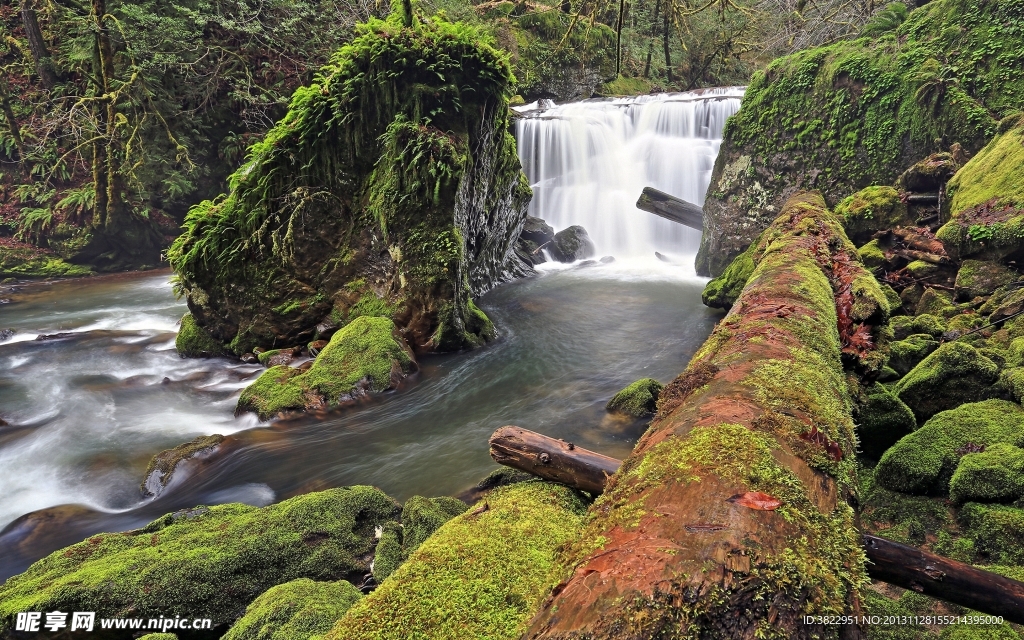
point(618, 38)
point(12, 121)
point(730, 518)
point(552, 459)
point(99, 145)
point(650, 45)
point(668, 54)
point(37, 45)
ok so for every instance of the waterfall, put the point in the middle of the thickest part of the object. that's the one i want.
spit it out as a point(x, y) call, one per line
point(588, 162)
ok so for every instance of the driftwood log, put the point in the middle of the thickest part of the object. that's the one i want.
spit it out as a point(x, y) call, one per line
point(671, 208)
point(919, 241)
point(888, 561)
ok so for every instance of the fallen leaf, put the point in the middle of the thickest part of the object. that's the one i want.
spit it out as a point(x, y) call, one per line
point(756, 500)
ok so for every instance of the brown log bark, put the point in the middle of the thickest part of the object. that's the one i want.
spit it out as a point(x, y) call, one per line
point(919, 241)
point(933, 258)
point(890, 562)
point(730, 519)
point(552, 459)
point(37, 45)
point(671, 208)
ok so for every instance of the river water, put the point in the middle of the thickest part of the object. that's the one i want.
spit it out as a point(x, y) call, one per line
point(88, 410)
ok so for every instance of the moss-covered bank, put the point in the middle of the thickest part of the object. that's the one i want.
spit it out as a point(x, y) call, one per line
point(391, 188)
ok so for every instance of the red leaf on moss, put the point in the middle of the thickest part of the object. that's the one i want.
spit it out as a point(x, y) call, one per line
point(859, 340)
point(756, 500)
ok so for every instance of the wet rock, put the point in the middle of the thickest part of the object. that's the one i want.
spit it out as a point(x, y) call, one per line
point(639, 399)
point(316, 347)
point(54, 336)
point(572, 244)
point(1011, 304)
point(193, 341)
point(163, 465)
point(537, 231)
point(208, 563)
point(249, 358)
point(722, 292)
point(981, 278)
point(607, 259)
point(929, 175)
point(6, 334)
point(276, 357)
point(324, 330)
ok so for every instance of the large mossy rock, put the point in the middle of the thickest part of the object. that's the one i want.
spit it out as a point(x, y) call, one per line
point(572, 244)
point(364, 356)
point(924, 461)
point(639, 399)
point(872, 209)
point(993, 475)
point(905, 354)
point(858, 112)
point(980, 278)
point(298, 610)
point(997, 530)
point(882, 419)
point(421, 517)
point(952, 375)
point(206, 562)
point(193, 341)
point(390, 188)
point(481, 575)
point(985, 200)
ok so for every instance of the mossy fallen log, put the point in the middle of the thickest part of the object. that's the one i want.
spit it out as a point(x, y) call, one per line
point(730, 518)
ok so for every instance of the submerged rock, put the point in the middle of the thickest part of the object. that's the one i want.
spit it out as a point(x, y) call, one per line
point(572, 244)
point(298, 610)
point(205, 562)
point(952, 375)
point(161, 468)
point(639, 399)
point(365, 356)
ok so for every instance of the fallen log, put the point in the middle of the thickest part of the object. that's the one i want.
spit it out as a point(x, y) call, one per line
point(888, 561)
point(923, 198)
point(552, 459)
point(912, 255)
point(919, 241)
point(671, 208)
point(730, 518)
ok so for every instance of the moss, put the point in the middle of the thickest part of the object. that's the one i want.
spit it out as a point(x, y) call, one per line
point(882, 419)
point(979, 632)
point(872, 209)
point(890, 294)
point(161, 467)
point(873, 256)
point(980, 278)
point(875, 604)
point(723, 291)
point(924, 461)
point(952, 375)
point(986, 200)
point(905, 326)
point(639, 399)
point(362, 356)
point(265, 356)
point(899, 517)
point(905, 354)
point(421, 517)
point(478, 324)
point(205, 562)
point(998, 531)
point(626, 86)
point(388, 555)
point(195, 342)
point(993, 475)
point(26, 261)
point(298, 610)
point(936, 303)
point(1013, 381)
point(159, 636)
point(480, 576)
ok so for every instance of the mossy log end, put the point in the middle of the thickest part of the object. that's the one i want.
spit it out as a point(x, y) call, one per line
point(681, 543)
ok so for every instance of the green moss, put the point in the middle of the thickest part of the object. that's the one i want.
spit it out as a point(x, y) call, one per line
point(421, 517)
point(1013, 381)
point(872, 209)
point(873, 256)
point(875, 604)
point(905, 354)
point(361, 357)
point(298, 610)
point(924, 461)
point(161, 467)
point(980, 278)
point(388, 555)
point(264, 356)
point(998, 531)
point(478, 324)
point(899, 517)
point(26, 261)
point(979, 632)
point(936, 303)
point(723, 291)
point(480, 576)
point(952, 375)
point(890, 294)
point(993, 475)
point(882, 419)
point(905, 326)
point(195, 342)
point(205, 562)
point(626, 86)
point(159, 636)
point(639, 399)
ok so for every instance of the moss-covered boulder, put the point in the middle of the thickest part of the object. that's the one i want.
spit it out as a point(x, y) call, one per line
point(905, 354)
point(985, 200)
point(722, 291)
point(997, 530)
point(421, 517)
point(858, 112)
point(363, 357)
point(929, 175)
point(935, 303)
point(872, 255)
point(161, 468)
point(924, 461)
point(22, 260)
point(1009, 305)
point(952, 375)
point(1012, 380)
point(205, 562)
point(981, 278)
point(882, 419)
point(298, 610)
point(193, 341)
point(905, 326)
point(481, 575)
point(639, 399)
point(872, 209)
point(391, 188)
point(993, 475)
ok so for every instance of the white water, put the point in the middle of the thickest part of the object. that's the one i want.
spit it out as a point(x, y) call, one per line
point(589, 161)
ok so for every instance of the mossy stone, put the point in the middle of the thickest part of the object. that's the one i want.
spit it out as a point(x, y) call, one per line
point(298, 610)
point(929, 175)
point(161, 467)
point(481, 575)
point(905, 326)
point(1012, 380)
point(194, 341)
point(205, 562)
point(936, 303)
point(993, 475)
point(979, 632)
point(905, 354)
point(722, 292)
point(388, 555)
point(924, 461)
point(981, 278)
point(421, 517)
point(871, 254)
point(363, 356)
point(998, 531)
point(882, 419)
point(952, 375)
point(872, 209)
point(895, 302)
point(639, 399)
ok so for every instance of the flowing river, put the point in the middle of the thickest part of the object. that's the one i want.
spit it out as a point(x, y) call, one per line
point(91, 386)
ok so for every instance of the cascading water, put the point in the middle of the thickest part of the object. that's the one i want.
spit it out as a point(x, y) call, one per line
point(589, 161)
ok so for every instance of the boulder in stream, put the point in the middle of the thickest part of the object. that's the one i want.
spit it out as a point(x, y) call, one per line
point(572, 244)
point(163, 465)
